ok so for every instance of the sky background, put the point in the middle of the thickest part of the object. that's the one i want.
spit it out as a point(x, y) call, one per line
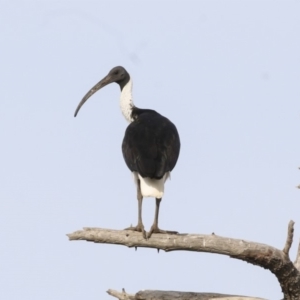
point(225, 72)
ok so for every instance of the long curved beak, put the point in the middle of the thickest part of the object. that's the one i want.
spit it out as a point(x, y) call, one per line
point(102, 83)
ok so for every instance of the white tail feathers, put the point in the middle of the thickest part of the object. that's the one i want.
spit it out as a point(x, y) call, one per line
point(151, 187)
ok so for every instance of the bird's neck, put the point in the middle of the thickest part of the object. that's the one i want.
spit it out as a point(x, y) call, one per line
point(126, 102)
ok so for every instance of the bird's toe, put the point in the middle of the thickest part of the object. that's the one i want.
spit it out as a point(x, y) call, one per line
point(155, 229)
point(138, 228)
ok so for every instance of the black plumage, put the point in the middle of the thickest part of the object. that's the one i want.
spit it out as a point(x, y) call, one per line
point(151, 144)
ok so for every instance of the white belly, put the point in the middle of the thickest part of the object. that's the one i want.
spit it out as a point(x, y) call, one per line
point(151, 187)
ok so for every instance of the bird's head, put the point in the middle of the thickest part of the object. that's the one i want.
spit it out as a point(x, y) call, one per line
point(118, 75)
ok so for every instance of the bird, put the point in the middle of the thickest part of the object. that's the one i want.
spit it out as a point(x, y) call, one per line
point(151, 146)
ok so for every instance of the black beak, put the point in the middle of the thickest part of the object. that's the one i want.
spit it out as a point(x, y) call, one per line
point(102, 83)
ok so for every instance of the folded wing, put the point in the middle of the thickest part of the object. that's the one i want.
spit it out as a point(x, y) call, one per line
point(151, 144)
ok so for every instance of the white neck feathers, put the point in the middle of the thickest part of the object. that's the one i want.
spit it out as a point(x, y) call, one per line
point(126, 102)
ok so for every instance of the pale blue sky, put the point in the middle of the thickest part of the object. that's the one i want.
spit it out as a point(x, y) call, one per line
point(225, 72)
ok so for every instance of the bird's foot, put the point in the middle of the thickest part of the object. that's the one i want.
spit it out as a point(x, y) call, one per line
point(139, 228)
point(154, 229)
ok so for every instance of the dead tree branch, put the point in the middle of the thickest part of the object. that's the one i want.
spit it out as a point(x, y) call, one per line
point(268, 257)
point(121, 296)
point(289, 239)
point(297, 261)
point(170, 295)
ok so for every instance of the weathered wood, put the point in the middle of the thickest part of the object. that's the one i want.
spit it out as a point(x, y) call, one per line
point(268, 257)
point(289, 239)
point(121, 296)
point(170, 295)
point(297, 260)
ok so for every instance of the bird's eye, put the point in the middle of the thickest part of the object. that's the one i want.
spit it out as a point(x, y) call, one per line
point(116, 72)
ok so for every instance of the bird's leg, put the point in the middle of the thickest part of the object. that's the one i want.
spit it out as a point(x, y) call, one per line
point(139, 227)
point(154, 228)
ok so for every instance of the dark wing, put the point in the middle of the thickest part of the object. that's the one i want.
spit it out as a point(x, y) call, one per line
point(151, 145)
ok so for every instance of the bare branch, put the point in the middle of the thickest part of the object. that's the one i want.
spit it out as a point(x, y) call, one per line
point(265, 256)
point(170, 295)
point(297, 261)
point(121, 296)
point(235, 248)
point(289, 239)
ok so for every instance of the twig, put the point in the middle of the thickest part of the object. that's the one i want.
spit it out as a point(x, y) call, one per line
point(289, 239)
point(121, 296)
